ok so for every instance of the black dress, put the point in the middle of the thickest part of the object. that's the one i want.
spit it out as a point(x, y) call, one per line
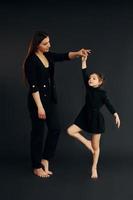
point(90, 118)
point(41, 79)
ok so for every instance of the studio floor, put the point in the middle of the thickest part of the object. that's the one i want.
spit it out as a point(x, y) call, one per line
point(71, 179)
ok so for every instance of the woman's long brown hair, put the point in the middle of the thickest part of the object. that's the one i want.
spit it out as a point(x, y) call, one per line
point(35, 41)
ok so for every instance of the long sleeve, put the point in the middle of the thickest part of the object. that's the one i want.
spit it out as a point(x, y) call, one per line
point(58, 57)
point(31, 75)
point(85, 77)
point(108, 104)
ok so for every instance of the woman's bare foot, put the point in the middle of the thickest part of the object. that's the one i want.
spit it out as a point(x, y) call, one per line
point(94, 173)
point(40, 172)
point(45, 164)
point(89, 146)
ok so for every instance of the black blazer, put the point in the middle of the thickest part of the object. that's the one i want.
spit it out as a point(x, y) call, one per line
point(96, 97)
point(40, 78)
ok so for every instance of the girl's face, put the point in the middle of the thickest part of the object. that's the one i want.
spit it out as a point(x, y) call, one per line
point(94, 81)
point(44, 45)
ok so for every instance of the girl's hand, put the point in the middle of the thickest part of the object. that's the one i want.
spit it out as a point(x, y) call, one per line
point(41, 113)
point(117, 119)
point(84, 65)
point(84, 58)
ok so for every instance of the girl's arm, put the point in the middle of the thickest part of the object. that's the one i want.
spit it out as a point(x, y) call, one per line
point(84, 73)
point(117, 119)
point(84, 59)
point(112, 110)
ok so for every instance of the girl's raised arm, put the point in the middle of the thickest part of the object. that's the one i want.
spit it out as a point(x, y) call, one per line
point(84, 66)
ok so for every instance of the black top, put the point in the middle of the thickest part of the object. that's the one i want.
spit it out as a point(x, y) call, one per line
point(96, 97)
point(41, 78)
point(90, 118)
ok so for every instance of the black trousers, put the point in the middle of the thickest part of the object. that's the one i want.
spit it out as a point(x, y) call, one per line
point(39, 149)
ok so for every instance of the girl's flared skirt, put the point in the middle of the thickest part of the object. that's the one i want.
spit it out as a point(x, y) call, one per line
point(90, 120)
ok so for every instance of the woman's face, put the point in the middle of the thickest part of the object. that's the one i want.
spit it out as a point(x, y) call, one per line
point(44, 45)
point(94, 80)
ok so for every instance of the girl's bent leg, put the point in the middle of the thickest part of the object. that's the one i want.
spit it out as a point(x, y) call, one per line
point(96, 148)
point(74, 131)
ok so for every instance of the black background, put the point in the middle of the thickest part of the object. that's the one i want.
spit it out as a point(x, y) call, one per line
point(106, 27)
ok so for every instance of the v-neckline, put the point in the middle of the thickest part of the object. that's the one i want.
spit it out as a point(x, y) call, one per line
point(42, 62)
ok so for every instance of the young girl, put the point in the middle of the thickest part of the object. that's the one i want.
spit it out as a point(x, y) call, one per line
point(90, 118)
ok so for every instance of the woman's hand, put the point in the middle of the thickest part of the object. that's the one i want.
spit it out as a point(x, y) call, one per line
point(41, 113)
point(84, 52)
point(80, 53)
point(117, 119)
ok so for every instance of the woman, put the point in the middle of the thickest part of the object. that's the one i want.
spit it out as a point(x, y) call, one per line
point(42, 99)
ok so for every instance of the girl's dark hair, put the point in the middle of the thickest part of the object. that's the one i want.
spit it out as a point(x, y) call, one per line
point(100, 76)
point(35, 41)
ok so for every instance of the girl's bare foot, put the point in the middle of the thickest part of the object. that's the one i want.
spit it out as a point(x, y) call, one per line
point(40, 172)
point(45, 164)
point(94, 173)
point(89, 146)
